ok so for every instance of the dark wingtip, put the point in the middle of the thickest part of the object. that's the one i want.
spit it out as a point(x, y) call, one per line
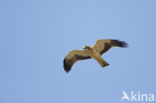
point(66, 66)
point(122, 44)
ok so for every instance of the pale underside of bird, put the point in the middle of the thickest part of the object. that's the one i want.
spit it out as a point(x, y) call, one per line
point(101, 46)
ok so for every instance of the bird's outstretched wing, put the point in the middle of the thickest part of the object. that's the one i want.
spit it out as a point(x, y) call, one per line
point(73, 57)
point(103, 45)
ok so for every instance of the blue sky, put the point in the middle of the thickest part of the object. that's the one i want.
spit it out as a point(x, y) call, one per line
point(36, 35)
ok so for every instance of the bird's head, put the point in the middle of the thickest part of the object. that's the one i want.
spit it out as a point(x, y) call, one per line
point(87, 47)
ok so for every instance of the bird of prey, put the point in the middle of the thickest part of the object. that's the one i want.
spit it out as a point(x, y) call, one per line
point(101, 46)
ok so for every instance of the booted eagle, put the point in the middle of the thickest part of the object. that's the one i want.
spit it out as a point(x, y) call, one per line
point(101, 46)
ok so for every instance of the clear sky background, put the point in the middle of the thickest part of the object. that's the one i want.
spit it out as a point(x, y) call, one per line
point(36, 35)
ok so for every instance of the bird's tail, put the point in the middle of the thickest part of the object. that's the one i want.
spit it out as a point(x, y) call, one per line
point(118, 43)
point(102, 62)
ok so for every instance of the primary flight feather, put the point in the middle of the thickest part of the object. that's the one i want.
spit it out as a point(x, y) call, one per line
point(101, 46)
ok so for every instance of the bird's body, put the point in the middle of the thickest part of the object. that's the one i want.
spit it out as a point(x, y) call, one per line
point(96, 55)
point(101, 46)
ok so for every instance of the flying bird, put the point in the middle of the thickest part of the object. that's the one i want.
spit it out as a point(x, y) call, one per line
point(101, 46)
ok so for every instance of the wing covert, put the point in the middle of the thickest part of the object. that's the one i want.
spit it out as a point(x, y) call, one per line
point(102, 45)
point(73, 57)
